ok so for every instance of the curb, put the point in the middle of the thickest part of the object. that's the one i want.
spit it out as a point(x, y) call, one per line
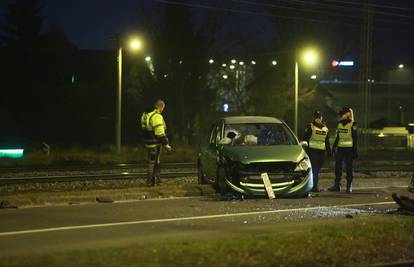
point(27, 200)
point(104, 196)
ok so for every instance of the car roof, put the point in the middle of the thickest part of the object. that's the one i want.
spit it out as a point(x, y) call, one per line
point(250, 119)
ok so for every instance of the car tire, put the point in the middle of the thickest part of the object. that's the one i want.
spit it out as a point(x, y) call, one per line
point(201, 178)
point(220, 183)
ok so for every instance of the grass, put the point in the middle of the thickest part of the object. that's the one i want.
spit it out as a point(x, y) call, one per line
point(360, 241)
point(76, 155)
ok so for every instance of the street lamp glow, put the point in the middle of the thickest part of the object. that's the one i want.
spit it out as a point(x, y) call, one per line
point(224, 65)
point(401, 66)
point(274, 62)
point(253, 62)
point(225, 76)
point(310, 57)
point(211, 61)
point(241, 63)
point(232, 67)
point(148, 59)
point(313, 77)
point(135, 44)
point(233, 61)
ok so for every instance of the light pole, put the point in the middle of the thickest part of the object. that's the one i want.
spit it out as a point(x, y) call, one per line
point(134, 44)
point(308, 57)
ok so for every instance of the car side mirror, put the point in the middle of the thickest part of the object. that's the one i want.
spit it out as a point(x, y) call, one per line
point(225, 141)
point(231, 135)
point(304, 144)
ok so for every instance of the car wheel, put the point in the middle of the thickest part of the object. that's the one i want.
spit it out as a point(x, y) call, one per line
point(200, 173)
point(221, 185)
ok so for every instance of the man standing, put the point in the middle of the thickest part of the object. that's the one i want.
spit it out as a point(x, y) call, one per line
point(345, 149)
point(317, 136)
point(153, 126)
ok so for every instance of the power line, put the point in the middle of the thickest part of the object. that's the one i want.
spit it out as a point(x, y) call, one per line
point(345, 7)
point(370, 5)
point(292, 8)
point(331, 6)
point(171, 2)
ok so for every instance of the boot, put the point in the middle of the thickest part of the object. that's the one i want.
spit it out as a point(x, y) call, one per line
point(349, 188)
point(335, 188)
point(316, 189)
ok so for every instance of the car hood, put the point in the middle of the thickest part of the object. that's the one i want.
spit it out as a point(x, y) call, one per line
point(250, 154)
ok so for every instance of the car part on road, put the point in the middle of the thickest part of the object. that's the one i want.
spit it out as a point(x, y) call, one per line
point(406, 204)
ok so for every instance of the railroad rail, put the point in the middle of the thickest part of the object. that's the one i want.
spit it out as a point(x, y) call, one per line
point(181, 172)
point(121, 166)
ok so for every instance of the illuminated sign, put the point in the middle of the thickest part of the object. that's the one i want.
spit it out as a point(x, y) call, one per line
point(11, 153)
point(337, 63)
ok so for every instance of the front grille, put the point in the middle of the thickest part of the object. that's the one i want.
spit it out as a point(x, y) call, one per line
point(269, 167)
point(278, 172)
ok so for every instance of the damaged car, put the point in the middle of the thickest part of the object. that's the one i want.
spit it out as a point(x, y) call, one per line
point(242, 150)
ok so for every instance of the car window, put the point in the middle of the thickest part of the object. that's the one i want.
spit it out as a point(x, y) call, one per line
point(261, 134)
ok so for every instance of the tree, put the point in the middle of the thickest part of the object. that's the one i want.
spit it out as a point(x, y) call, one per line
point(23, 23)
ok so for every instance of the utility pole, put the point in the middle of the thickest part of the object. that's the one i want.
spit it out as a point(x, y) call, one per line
point(365, 72)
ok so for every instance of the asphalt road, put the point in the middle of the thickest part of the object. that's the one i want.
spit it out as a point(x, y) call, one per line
point(64, 228)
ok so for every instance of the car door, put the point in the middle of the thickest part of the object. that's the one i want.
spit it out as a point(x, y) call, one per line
point(211, 152)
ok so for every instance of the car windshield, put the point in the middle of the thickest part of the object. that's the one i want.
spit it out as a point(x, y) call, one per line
point(260, 134)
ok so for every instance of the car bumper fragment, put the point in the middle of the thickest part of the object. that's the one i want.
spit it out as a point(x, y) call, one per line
point(283, 188)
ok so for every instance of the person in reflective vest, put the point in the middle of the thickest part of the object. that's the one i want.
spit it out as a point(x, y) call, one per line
point(317, 136)
point(153, 128)
point(345, 149)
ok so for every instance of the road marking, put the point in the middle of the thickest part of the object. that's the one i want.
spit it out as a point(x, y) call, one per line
point(205, 217)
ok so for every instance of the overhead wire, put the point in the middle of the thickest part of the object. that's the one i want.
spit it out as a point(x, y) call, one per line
point(240, 11)
point(371, 5)
point(333, 6)
point(172, 2)
point(291, 8)
point(334, 14)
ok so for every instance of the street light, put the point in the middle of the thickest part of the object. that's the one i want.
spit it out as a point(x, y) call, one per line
point(308, 57)
point(133, 44)
point(401, 66)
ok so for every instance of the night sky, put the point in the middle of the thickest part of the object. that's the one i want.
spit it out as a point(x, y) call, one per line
point(88, 23)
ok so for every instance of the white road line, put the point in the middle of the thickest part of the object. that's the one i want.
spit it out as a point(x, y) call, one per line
point(205, 217)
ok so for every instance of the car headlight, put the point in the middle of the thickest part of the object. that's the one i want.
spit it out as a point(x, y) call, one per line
point(303, 165)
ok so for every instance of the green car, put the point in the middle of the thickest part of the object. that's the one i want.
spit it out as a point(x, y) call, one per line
point(241, 149)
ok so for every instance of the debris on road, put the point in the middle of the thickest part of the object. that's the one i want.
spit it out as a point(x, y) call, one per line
point(406, 204)
point(6, 205)
point(104, 200)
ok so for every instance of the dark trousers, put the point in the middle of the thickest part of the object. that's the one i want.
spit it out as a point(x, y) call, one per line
point(344, 154)
point(317, 157)
point(154, 166)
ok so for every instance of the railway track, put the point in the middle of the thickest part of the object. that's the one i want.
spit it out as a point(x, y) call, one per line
point(137, 171)
point(121, 166)
point(87, 177)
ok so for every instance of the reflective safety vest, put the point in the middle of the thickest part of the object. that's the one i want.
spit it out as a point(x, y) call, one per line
point(318, 137)
point(345, 134)
point(153, 126)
